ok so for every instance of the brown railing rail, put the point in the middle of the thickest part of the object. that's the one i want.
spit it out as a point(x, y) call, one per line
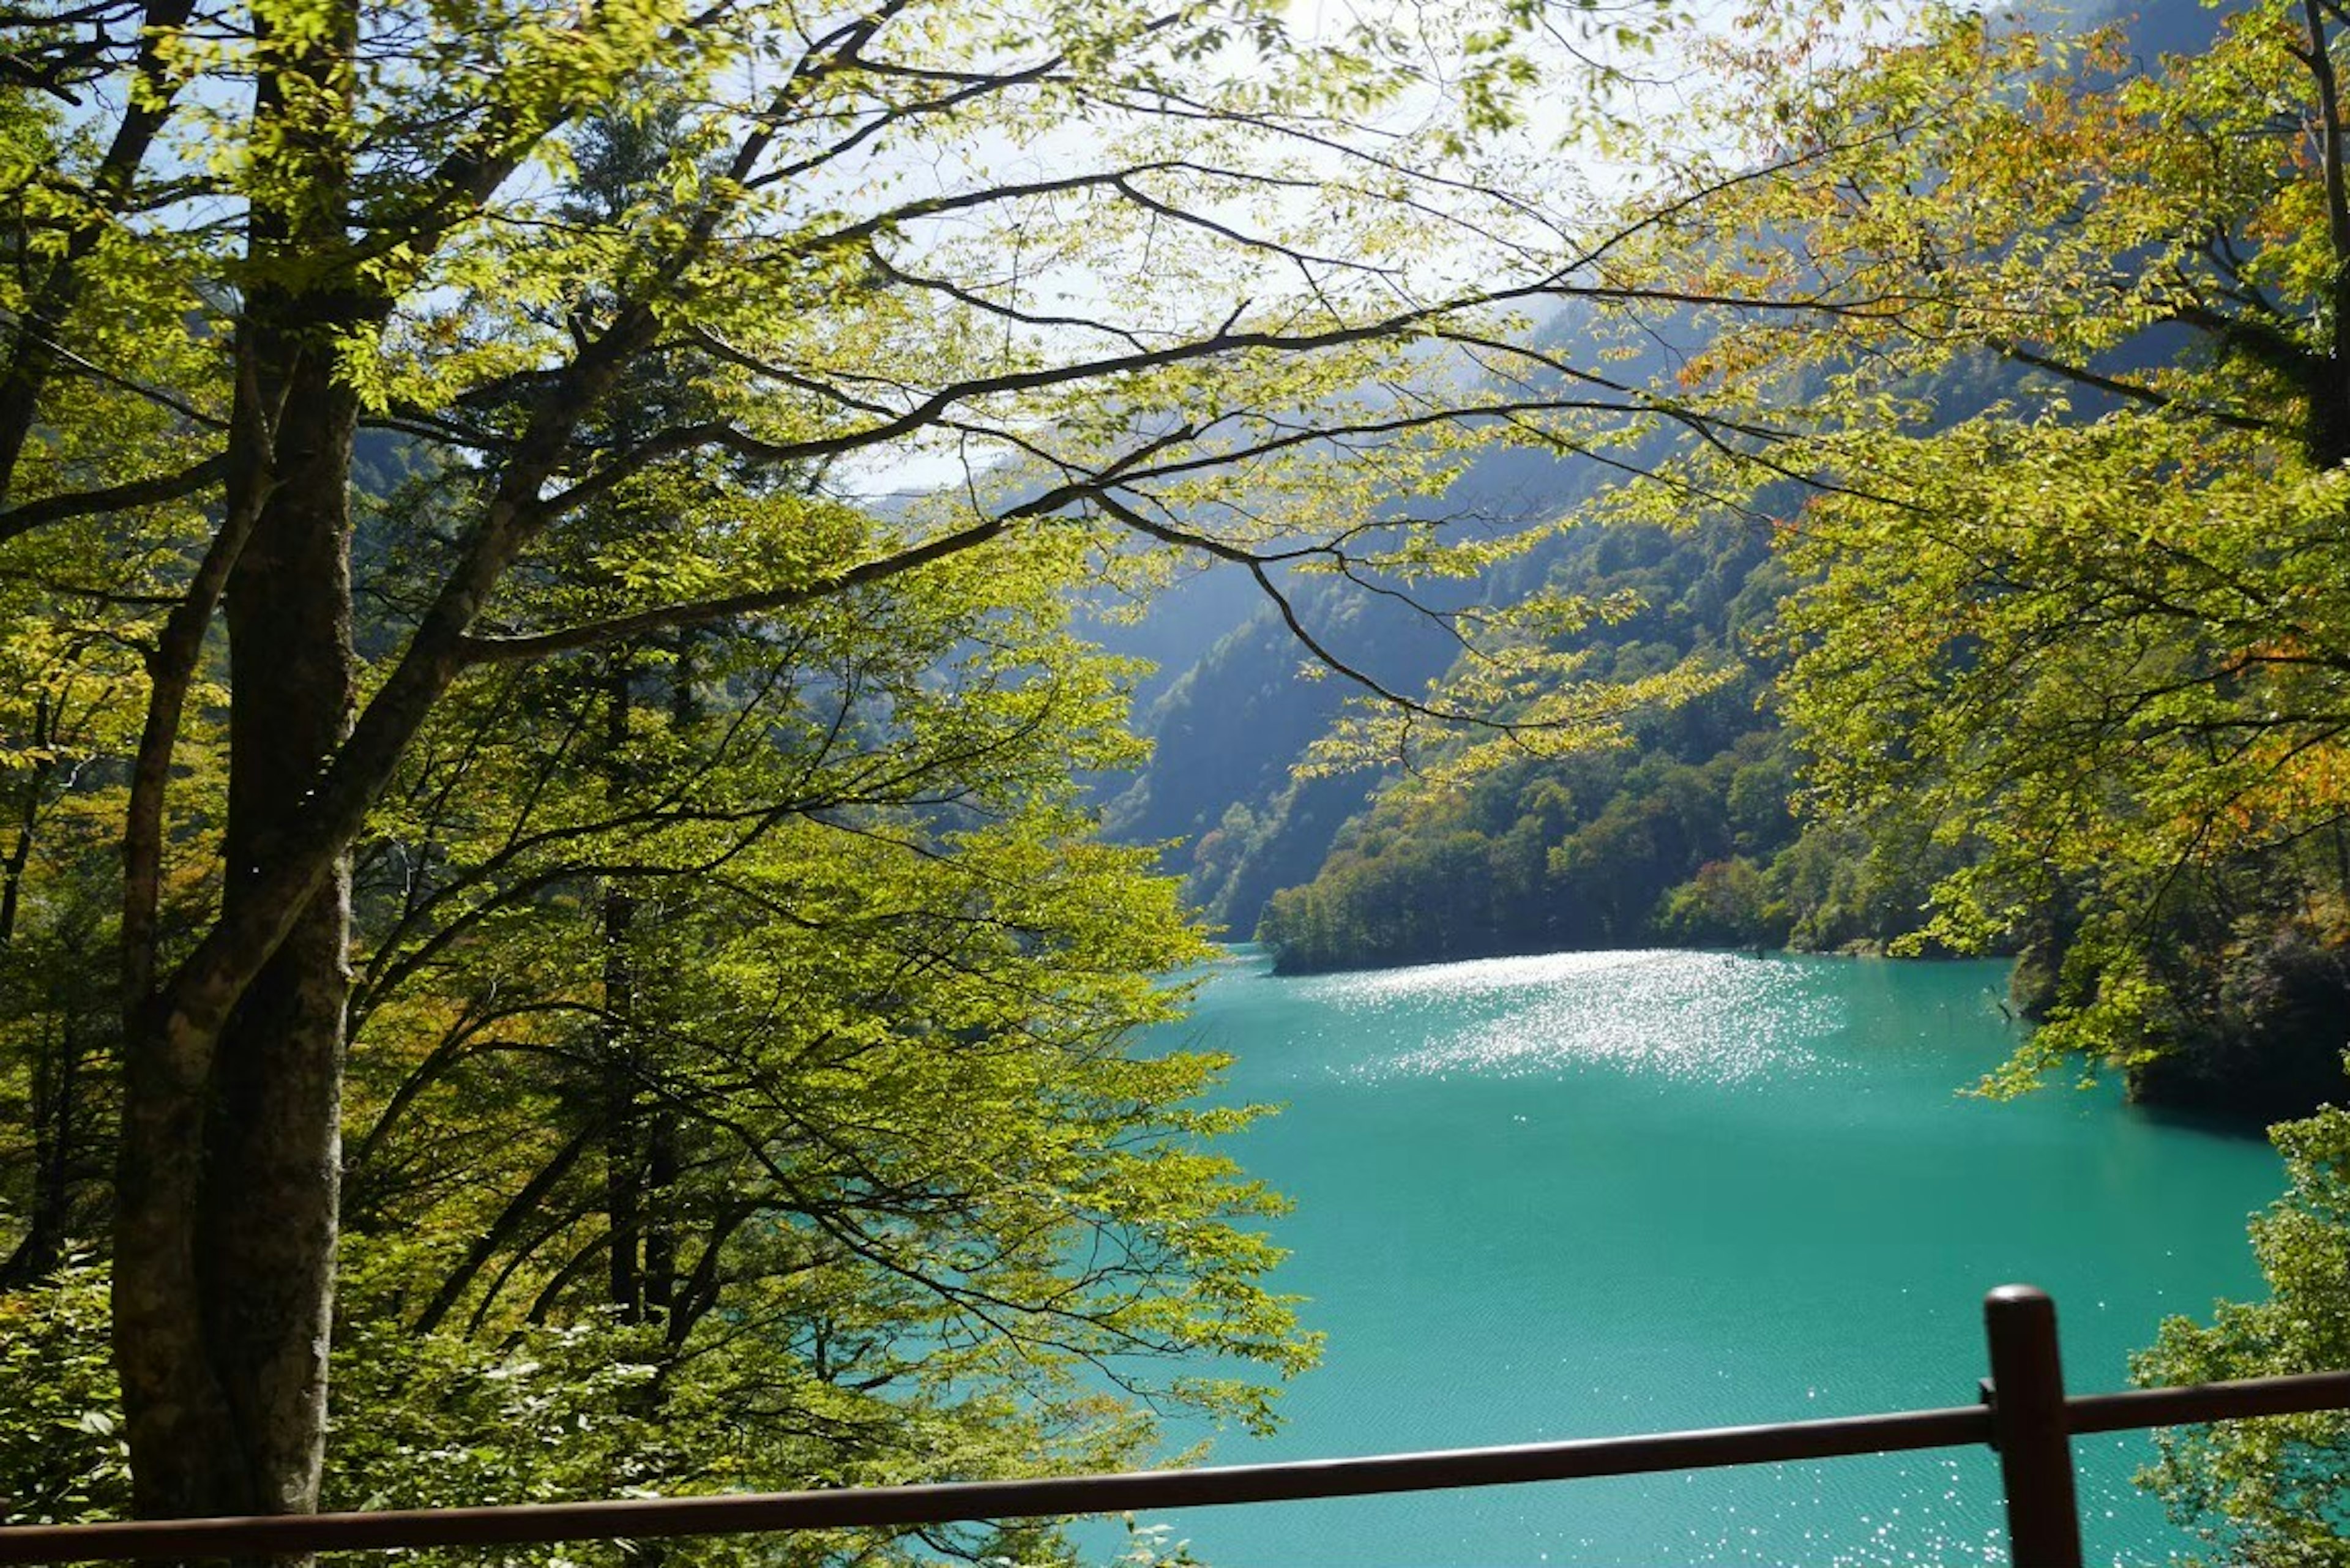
point(2025, 1415)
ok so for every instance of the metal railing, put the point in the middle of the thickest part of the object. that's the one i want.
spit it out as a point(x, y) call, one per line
point(2025, 1415)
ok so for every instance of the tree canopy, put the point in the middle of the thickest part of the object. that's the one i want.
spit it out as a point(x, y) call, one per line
point(535, 540)
point(2030, 356)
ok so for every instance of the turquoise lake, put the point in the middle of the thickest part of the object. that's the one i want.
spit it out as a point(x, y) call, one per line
point(1600, 1193)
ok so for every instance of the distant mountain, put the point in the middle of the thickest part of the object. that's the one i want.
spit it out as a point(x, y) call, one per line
point(1230, 725)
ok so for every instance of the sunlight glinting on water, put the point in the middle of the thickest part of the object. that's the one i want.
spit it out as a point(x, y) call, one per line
point(1715, 1017)
point(1590, 1194)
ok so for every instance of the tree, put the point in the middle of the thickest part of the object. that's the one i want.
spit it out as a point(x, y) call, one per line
point(2033, 361)
point(1116, 271)
point(2270, 1491)
point(838, 1112)
point(829, 1161)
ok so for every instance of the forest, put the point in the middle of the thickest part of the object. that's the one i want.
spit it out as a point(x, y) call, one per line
point(579, 576)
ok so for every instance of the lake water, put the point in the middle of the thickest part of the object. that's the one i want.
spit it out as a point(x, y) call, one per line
point(1602, 1193)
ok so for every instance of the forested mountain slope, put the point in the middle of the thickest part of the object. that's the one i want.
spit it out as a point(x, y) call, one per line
point(1684, 834)
point(1230, 727)
point(1234, 701)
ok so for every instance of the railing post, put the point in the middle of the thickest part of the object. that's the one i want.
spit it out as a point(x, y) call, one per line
point(2029, 1429)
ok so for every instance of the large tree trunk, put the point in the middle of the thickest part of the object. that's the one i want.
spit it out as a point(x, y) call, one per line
point(273, 1147)
point(230, 1178)
point(227, 1181)
point(230, 1171)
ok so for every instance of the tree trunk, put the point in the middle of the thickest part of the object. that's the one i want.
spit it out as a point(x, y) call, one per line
point(230, 1170)
point(623, 1162)
point(58, 1135)
point(232, 1154)
point(230, 1166)
point(28, 821)
point(53, 1086)
point(36, 356)
point(228, 1175)
point(2328, 383)
point(274, 1148)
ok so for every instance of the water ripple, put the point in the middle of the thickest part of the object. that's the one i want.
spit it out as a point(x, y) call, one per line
point(1715, 1016)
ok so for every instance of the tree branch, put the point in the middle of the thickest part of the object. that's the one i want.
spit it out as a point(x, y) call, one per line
point(18, 521)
